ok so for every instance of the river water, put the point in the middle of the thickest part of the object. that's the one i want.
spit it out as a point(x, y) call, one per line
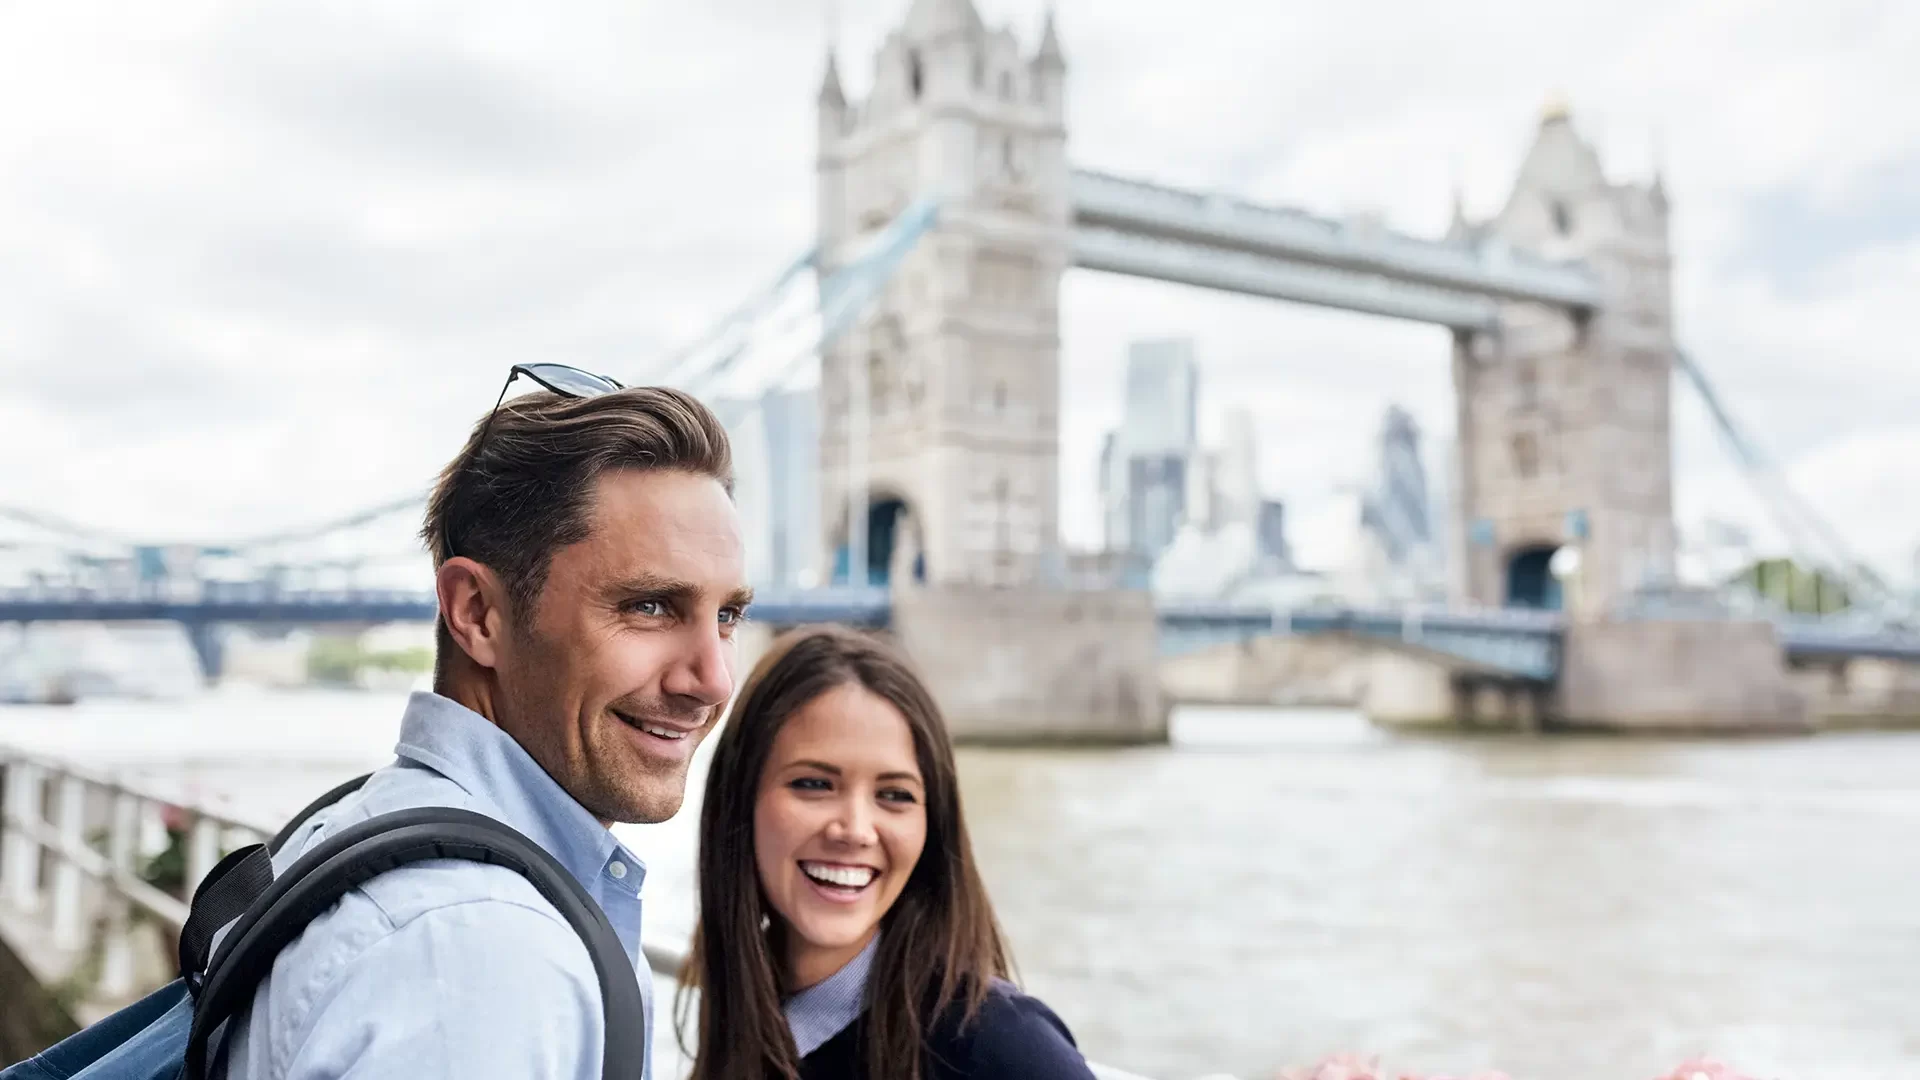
point(1279, 885)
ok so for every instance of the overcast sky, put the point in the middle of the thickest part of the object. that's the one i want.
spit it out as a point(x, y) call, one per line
point(262, 264)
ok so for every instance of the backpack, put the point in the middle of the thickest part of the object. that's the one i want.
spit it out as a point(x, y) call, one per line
point(170, 1033)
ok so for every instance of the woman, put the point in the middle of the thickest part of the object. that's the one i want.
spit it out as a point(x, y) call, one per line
point(844, 931)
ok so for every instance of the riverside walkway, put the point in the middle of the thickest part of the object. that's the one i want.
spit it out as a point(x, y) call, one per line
point(96, 867)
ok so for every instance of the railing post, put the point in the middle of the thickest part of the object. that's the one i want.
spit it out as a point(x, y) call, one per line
point(203, 851)
point(69, 928)
point(123, 840)
point(20, 854)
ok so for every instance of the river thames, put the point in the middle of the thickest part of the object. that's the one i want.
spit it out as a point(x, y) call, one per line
point(1279, 885)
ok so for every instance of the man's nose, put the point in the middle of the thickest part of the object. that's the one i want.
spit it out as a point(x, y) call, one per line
point(705, 671)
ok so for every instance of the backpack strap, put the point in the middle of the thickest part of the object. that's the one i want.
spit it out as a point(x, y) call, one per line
point(333, 796)
point(235, 882)
point(355, 856)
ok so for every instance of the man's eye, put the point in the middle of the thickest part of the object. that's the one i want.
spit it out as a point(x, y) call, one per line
point(648, 607)
point(731, 615)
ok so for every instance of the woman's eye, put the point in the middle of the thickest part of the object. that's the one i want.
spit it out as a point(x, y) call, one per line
point(898, 795)
point(810, 783)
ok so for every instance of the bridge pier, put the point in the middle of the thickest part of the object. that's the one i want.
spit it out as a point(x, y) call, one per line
point(1676, 675)
point(1037, 665)
point(1405, 690)
point(1859, 692)
point(210, 648)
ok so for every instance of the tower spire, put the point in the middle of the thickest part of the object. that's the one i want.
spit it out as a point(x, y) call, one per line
point(1050, 54)
point(1657, 187)
point(1556, 109)
point(831, 95)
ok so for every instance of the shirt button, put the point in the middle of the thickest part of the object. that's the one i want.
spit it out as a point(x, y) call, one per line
point(618, 869)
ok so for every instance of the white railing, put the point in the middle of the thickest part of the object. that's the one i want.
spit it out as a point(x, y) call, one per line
point(72, 842)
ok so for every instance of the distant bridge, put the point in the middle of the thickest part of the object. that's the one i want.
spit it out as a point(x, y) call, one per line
point(1512, 644)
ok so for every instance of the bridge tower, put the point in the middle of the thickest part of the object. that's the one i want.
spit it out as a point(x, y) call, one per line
point(943, 402)
point(1565, 419)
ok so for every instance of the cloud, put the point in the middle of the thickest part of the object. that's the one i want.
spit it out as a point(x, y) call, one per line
point(265, 265)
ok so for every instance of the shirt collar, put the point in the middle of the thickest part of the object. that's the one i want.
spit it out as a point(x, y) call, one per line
point(824, 1010)
point(488, 764)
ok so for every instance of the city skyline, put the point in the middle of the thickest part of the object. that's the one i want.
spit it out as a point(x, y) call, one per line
point(239, 297)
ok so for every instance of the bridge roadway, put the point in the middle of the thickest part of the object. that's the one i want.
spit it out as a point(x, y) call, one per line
point(1517, 644)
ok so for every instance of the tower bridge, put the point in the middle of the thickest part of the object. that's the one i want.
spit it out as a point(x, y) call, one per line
point(948, 212)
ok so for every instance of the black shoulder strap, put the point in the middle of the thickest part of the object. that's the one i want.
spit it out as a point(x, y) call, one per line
point(235, 882)
point(333, 796)
point(357, 855)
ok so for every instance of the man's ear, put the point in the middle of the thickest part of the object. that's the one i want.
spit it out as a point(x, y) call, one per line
point(473, 604)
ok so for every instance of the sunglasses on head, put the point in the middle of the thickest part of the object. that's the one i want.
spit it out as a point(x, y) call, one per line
point(569, 382)
point(563, 380)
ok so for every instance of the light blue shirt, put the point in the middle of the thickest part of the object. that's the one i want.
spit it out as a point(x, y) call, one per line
point(449, 968)
point(824, 1010)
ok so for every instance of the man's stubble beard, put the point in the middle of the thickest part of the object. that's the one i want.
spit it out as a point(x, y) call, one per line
point(610, 779)
point(621, 787)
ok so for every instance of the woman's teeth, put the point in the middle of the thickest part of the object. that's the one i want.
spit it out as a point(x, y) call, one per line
point(847, 877)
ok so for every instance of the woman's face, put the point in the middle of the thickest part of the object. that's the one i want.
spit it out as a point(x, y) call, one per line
point(838, 825)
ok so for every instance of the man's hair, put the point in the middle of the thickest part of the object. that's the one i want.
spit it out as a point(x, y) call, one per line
point(522, 488)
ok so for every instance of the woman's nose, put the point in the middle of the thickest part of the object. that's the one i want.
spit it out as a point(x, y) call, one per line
point(853, 824)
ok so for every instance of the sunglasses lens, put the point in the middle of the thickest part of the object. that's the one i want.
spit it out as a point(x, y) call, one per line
point(562, 379)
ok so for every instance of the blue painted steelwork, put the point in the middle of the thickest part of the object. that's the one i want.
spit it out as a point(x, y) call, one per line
point(1186, 628)
point(851, 605)
point(1807, 643)
point(204, 609)
point(1513, 643)
point(845, 291)
point(1524, 645)
point(216, 602)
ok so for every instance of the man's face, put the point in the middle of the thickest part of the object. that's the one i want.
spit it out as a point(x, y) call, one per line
point(628, 656)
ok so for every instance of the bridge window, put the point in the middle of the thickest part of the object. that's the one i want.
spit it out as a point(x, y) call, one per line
point(879, 383)
point(914, 79)
point(1002, 526)
point(1006, 156)
point(1526, 454)
point(1006, 85)
point(999, 397)
point(1562, 218)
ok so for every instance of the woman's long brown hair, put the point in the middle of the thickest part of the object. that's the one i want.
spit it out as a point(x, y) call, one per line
point(940, 947)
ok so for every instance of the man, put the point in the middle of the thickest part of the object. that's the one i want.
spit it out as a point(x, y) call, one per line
point(590, 577)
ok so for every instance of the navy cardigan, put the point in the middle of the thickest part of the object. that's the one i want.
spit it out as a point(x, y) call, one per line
point(1012, 1036)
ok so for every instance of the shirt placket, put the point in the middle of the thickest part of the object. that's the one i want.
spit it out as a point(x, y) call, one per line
point(619, 897)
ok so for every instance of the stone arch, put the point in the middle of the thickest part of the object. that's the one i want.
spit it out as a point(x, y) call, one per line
point(1530, 580)
point(895, 542)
